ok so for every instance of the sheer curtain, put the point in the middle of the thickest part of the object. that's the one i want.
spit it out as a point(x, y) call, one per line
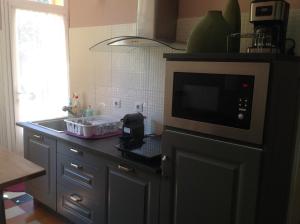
point(40, 73)
point(36, 64)
point(7, 118)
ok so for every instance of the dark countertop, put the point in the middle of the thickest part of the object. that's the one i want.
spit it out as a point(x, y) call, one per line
point(230, 57)
point(102, 147)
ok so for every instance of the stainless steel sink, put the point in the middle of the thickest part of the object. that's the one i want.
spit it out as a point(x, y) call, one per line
point(57, 125)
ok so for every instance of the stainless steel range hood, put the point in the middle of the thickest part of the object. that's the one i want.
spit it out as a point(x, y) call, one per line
point(156, 27)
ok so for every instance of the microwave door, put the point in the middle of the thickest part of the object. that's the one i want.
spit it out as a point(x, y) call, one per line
point(213, 98)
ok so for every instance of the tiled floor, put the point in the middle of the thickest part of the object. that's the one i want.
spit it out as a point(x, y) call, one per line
point(21, 209)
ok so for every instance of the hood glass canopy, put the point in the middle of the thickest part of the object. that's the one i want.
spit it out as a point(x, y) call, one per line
point(135, 41)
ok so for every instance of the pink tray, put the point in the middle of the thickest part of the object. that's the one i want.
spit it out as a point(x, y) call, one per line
point(117, 133)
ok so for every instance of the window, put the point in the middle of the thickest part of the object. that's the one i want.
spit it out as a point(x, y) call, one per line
point(39, 40)
point(41, 65)
point(51, 2)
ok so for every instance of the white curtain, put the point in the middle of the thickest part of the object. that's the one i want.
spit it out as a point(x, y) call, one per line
point(7, 117)
point(35, 60)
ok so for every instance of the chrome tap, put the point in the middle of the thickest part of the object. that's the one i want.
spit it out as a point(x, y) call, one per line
point(70, 110)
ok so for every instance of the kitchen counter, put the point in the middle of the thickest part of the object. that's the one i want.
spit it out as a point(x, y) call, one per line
point(103, 147)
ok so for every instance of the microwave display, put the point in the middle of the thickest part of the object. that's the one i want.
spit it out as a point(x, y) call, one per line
point(222, 99)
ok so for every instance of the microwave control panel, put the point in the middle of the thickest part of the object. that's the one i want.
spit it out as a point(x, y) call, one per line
point(243, 114)
point(243, 108)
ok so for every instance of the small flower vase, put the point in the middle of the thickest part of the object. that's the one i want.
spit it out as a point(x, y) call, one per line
point(210, 34)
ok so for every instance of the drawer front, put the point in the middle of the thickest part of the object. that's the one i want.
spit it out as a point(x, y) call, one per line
point(72, 171)
point(76, 152)
point(79, 205)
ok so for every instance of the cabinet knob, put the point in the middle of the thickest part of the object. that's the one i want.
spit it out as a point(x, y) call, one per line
point(124, 168)
point(75, 198)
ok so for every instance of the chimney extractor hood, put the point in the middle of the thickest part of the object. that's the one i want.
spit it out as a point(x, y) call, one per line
point(156, 27)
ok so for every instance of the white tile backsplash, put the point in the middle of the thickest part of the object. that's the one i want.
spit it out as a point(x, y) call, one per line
point(134, 75)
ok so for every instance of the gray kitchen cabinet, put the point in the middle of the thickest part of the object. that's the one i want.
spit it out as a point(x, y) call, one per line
point(133, 196)
point(42, 151)
point(208, 181)
point(93, 189)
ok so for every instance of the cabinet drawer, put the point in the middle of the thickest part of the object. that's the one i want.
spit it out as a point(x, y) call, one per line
point(72, 171)
point(76, 152)
point(34, 136)
point(79, 205)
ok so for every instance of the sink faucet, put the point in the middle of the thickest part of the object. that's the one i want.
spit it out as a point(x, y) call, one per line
point(70, 110)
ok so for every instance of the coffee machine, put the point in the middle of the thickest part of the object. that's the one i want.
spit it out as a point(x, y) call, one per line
point(270, 20)
point(133, 130)
point(134, 144)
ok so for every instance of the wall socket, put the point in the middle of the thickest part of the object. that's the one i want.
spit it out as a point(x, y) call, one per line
point(139, 107)
point(116, 103)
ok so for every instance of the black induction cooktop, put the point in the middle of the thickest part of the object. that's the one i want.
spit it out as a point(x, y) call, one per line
point(148, 149)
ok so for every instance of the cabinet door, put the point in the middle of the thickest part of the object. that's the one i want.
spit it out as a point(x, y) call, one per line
point(42, 151)
point(208, 181)
point(133, 196)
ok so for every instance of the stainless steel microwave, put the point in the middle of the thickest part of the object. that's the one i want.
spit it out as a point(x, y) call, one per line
point(226, 99)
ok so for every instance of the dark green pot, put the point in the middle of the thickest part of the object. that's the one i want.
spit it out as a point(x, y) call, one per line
point(232, 15)
point(210, 34)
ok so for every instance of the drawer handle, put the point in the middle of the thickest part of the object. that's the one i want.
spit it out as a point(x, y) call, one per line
point(75, 198)
point(124, 168)
point(39, 137)
point(75, 166)
point(75, 151)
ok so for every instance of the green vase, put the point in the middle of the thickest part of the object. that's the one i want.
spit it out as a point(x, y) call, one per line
point(232, 14)
point(210, 34)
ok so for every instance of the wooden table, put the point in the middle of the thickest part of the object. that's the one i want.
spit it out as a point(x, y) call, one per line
point(14, 169)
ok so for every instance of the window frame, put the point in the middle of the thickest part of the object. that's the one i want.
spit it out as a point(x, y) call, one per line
point(41, 7)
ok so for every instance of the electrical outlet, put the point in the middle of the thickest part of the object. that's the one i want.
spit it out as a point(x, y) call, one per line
point(116, 103)
point(139, 107)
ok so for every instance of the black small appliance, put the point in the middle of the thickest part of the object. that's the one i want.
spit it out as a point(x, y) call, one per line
point(270, 20)
point(133, 129)
point(133, 143)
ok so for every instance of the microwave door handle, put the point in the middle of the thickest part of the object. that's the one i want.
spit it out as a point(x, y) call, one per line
point(164, 161)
